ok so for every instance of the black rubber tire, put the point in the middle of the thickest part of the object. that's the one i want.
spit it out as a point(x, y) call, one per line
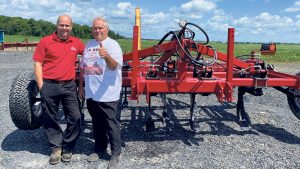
point(294, 103)
point(25, 110)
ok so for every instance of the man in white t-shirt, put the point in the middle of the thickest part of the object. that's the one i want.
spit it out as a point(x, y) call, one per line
point(101, 77)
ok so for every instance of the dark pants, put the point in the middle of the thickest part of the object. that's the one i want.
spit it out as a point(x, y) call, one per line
point(52, 93)
point(105, 125)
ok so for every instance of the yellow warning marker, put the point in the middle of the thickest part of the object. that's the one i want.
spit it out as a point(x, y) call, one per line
point(138, 23)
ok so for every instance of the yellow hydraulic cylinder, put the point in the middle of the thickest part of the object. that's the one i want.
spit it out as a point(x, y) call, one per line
point(138, 23)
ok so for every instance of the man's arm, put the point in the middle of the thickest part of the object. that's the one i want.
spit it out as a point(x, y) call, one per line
point(38, 74)
point(110, 62)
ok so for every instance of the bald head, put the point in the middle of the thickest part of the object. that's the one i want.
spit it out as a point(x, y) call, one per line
point(65, 18)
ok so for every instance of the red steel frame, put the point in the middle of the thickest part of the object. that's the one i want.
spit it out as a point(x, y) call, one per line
point(221, 84)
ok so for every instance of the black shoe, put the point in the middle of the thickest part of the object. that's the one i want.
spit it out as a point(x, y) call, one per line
point(96, 155)
point(66, 156)
point(103, 155)
point(55, 156)
point(114, 162)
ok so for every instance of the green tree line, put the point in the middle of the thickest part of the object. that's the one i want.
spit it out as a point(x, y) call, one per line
point(40, 28)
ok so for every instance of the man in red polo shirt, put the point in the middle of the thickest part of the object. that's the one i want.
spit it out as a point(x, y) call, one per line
point(54, 69)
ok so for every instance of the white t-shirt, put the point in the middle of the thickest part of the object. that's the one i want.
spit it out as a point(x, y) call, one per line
point(101, 83)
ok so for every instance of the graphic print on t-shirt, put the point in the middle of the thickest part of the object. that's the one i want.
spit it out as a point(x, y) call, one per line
point(92, 63)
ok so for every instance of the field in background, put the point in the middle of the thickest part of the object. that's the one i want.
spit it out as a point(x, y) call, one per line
point(284, 53)
point(20, 38)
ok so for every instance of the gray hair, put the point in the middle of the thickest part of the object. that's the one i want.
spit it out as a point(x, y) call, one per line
point(99, 18)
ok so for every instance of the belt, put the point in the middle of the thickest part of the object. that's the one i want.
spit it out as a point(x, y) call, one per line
point(61, 82)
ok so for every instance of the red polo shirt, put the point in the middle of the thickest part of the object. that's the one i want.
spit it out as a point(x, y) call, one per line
point(58, 57)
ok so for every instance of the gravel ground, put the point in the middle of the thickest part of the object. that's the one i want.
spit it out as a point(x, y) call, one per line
point(271, 142)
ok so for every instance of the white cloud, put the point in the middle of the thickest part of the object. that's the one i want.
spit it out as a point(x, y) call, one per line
point(193, 16)
point(153, 18)
point(294, 8)
point(215, 25)
point(298, 23)
point(220, 22)
point(47, 2)
point(242, 21)
point(41, 9)
point(198, 5)
point(20, 4)
point(124, 10)
point(264, 20)
point(124, 5)
point(194, 9)
point(3, 6)
point(264, 27)
point(155, 25)
point(256, 31)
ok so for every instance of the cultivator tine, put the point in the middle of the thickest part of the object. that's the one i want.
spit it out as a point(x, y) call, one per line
point(165, 115)
point(193, 124)
point(243, 118)
point(125, 102)
point(150, 126)
point(81, 109)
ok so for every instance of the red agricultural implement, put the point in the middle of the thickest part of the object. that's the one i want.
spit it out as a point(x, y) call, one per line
point(176, 65)
point(24, 45)
point(182, 65)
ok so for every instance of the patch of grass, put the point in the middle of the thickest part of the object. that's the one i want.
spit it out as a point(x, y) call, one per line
point(20, 38)
point(126, 44)
point(285, 53)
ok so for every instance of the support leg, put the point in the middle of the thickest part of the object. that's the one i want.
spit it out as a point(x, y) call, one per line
point(243, 118)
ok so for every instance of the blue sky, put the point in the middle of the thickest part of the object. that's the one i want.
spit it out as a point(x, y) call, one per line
point(253, 20)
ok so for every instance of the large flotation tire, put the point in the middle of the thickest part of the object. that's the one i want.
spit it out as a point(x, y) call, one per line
point(24, 105)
